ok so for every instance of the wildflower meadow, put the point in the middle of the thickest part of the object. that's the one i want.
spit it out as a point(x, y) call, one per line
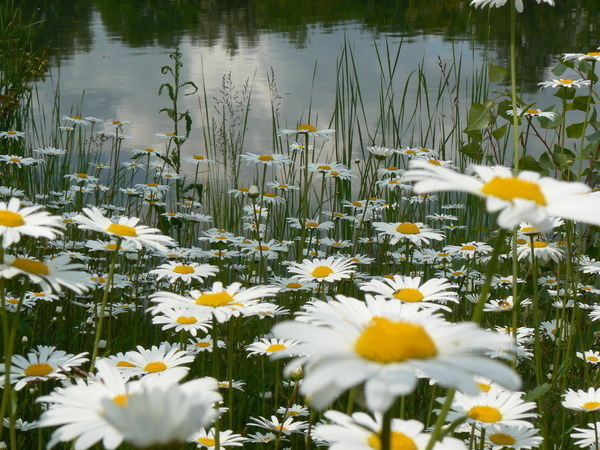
point(426, 282)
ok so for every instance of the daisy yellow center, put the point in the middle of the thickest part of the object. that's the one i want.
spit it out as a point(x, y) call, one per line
point(533, 111)
point(11, 219)
point(392, 168)
point(262, 248)
point(214, 299)
point(121, 400)
point(309, 128)
point(321, 272)
point(334, 174)
point(567, 81)
point(39, 294)
point(398, 441)
point(409, 295)
point(521, 241)
point(528, 229)
point(207, 441)
point(203, 344)
point(385, 341)
point(487, 414)
point(324, 168)
point(270, 194)
point(125, 364)
point(266, 158)
point(31, 266)
point(155, 367)
point(592, 358)
point(468, 247)
point(593, 53)
point(504, 303)
point(293, 285)
point(283, 186)
point(311, 224)
point(15, 159)
point(435, 162)
point(183, 269)
point(502, 439)
point(443, 255)
point(484, 387)
point(152, 184)
point(198, 157)
point(357, 203)
point(591, 405)
point(411, 152)
point(122, 230)
point(38, 370)
point(539, 244)
point(408, 228)
point(276, 348)
point(111, 246)
point(186, 320)
point(511, 188)
point(14, 301)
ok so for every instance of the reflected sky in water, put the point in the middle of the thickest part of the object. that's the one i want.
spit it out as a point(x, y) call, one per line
point(120, 76)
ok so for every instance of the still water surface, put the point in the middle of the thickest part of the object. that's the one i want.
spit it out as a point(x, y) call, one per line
point(111, 53)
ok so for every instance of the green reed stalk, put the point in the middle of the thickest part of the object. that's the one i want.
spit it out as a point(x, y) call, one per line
point(107, 289)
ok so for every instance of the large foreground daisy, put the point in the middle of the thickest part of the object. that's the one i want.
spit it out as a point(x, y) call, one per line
point(527, 197)
point(383, 343)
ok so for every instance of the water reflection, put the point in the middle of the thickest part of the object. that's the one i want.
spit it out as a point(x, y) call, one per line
point(237, 24)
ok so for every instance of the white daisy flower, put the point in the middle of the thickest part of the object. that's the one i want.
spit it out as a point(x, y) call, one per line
point(498, 3)
point(311, 130)
point(567, 83)
point(206, 439)
point(500, 437)
point(222, 302)
point(184, 272)
point(163, 413)
point(318, 270)
point(492, 408)
point(198, 160)
point(287, 427)
point(269, 346)
point(411, 290)
point(588, 437)
point(155, 362)
point(417, 233)
point(41, 364)
point(126, 228)
point(16, 221)
point(362, 432)
point(528, 197)
point(589, 356)
point(183, 319)
point(274, 159)
point(383, 343)
point(533, 112)
point(580, 400)
point(50, 275)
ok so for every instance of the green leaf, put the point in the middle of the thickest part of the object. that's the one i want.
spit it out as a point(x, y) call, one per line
point(530, 163)
point(496, 73)
point(560, 68)
point(576, 130)
point(593, 137)
point(581, 102)
point(472, 150)
point(546, 161)
point(565, 93)
point(498, 133)
point(480, 116)
point(537, 392)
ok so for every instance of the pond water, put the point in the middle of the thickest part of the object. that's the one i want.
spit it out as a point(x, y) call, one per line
point(106, 56)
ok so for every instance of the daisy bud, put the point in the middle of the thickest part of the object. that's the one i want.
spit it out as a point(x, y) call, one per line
point(58, 309)
point(24, 339)
point(102, 343)
point(253, 191)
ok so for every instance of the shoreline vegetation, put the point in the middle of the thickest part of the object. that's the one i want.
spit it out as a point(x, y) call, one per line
point(342, 289)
